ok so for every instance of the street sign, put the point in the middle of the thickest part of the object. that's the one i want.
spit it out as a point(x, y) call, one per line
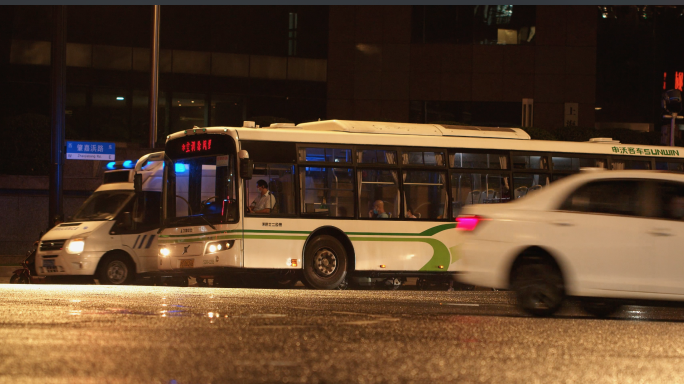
point(88, 150)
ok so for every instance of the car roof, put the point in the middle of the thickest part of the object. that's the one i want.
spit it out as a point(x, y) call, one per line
point(557, 191)
point(628, 174)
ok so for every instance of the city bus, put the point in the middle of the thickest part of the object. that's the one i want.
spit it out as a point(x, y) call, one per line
point(112, 236)
point(329, 199)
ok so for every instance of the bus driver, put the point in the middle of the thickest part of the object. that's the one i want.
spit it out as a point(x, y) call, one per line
point(265, 201)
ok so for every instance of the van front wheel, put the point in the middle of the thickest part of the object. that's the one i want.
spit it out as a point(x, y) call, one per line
point(116, 270)
point(325, 263)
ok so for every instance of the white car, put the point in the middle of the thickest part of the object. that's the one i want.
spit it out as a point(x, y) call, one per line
point(603, 236)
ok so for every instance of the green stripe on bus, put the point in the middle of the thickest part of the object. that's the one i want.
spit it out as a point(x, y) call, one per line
point(428, 232)
point(441, 255)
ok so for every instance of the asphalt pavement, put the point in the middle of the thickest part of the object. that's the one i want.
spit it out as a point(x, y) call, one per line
point(143, 334)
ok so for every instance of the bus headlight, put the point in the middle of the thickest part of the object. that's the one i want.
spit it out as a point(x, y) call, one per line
point(163, 252)
point(75, 246)
point(218, 246)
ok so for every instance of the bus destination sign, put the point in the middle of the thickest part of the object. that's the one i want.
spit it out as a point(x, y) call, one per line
point(88, 150)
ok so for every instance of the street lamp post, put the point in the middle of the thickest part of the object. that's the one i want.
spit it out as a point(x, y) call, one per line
point(154, 74)
point(58, 96)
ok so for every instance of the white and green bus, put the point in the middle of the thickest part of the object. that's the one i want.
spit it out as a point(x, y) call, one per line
point(324, 200)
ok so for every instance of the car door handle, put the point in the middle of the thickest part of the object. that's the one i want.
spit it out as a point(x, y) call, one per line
point(562, 223)
point(659, 232)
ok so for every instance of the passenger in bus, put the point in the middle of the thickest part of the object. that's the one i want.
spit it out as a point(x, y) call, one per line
point(378, 211)
point(410, 215)
point(265, 201)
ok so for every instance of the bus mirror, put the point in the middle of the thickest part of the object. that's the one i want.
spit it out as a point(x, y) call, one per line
point(246, 167)
point(137, 183)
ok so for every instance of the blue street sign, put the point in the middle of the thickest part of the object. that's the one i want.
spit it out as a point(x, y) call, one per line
point(88, 150)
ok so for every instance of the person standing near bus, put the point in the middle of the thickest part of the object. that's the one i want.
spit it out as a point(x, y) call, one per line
point(378, 211)
point(265, 201)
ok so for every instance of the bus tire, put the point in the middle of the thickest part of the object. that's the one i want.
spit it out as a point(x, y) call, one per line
point(116, 269)
point(325, 263)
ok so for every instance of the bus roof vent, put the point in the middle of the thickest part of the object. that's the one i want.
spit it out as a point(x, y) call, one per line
point(248, 124)
point(493, 132)
point(372, 127)
point(603, 140)
point(283, 125)
point(414, 129)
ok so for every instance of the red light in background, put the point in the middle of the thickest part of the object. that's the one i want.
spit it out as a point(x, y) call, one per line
point(679, 80)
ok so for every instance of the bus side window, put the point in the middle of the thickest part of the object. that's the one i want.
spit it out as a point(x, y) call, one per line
point(280, 181)
point(327, 191)
point(378, 185)
point(424, 194)
point(478, 188)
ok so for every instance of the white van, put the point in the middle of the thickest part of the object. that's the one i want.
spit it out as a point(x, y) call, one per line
point(113, 235)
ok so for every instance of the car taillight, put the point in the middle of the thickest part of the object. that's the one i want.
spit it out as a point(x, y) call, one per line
point(468, 223)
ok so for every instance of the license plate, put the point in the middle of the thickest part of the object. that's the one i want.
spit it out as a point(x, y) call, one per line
point(48, 263)
point(187, 263)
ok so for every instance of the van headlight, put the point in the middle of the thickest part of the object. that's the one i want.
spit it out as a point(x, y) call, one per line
point(218, 246)
point(163, 252)
point(75, 246)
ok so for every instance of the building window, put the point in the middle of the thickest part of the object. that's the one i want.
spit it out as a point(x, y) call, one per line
point(292, 35)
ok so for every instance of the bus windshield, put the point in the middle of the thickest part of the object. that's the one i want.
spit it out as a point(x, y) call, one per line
point(104, 205)
point(201, 190)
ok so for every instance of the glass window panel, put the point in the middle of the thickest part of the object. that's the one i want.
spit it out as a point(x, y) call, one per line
point(279, 179)
point(575, 163)
point(378, 193)
point(204, 188)
point(327, 191)
point(669, 166)
point(478, 188)
point(227, 110)
point(671, 204)
point(529, 162)
point(619, 164)
point(525, 184)
point(330, 155)
point(110, 115)
point(423, 158)
point(187, 111)
point(379, 156)
point(478, 160)
point(424, 194)
point(618, 197)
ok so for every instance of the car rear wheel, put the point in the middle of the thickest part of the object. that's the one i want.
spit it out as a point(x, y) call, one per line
point(538, 288)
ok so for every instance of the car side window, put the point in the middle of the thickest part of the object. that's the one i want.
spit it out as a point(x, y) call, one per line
point(614, 197)
point(671, 200)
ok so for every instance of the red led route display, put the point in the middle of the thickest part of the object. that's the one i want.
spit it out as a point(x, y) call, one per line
point(196, 146)
point(200, 145)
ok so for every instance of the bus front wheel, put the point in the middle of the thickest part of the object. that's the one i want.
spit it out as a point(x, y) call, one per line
point(325, 263)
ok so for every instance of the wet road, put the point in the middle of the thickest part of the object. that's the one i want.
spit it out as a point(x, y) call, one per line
point(95, 334)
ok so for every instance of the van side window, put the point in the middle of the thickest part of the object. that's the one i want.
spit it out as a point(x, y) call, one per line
point(615, 197)
point(147, 214)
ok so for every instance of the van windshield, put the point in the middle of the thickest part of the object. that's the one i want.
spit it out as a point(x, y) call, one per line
point(103, 205)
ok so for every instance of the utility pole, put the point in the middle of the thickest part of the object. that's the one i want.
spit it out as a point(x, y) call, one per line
point(58, 97)
point(672, 102)
point(154, 75)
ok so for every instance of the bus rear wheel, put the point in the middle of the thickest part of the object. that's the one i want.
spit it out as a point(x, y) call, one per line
point(325, 263)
